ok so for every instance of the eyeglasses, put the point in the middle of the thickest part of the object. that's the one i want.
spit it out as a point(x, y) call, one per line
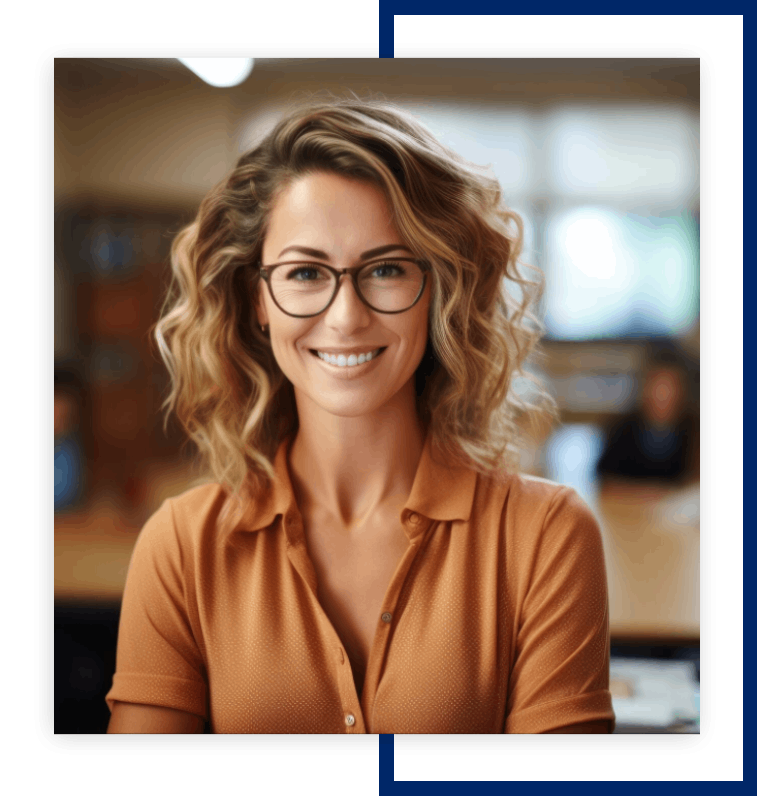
point(305, 289)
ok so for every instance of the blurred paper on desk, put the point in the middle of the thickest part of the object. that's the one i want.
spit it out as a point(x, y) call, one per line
point(656, 694)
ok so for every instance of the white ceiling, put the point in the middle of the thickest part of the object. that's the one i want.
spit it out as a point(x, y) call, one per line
point(147, 131)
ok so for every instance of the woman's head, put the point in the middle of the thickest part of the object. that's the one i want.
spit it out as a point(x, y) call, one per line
point(343, 162)
point(342, 354)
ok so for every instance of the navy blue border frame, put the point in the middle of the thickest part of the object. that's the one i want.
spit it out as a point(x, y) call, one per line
point(387, 11)
point(388, 8)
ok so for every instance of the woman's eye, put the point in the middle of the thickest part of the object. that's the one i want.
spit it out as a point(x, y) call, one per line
point(307, 274)
point(387, 269)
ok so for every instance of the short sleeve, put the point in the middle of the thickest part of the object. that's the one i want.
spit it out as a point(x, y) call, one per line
point(560, 674)
point(158, 661)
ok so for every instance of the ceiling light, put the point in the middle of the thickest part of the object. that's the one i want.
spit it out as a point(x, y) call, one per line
point(220, 72)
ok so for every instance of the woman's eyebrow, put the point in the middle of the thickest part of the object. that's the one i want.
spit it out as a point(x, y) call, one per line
point(320, 255)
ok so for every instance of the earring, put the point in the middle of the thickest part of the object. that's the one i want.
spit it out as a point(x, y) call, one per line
point(263, 329)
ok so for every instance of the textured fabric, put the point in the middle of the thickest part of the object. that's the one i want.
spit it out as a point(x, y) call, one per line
point(499, 619)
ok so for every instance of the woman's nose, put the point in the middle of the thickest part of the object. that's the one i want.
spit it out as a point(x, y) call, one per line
point(347, 292)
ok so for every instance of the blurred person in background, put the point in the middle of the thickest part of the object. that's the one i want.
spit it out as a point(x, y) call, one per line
point(657, 441)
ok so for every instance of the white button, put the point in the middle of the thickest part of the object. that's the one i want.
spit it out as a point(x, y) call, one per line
point(349, 719)
point(386, 617)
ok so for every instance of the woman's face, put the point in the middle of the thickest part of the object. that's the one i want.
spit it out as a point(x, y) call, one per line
point(329, 219)
point(664, 395)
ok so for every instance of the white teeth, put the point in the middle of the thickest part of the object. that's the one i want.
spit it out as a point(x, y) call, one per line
point(342, 361)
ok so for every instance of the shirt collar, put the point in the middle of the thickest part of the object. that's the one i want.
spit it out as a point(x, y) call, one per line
point(439, 492)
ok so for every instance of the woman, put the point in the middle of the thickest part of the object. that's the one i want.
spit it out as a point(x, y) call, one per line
point(343, 353)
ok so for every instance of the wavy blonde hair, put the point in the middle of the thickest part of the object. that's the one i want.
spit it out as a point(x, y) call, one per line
point(227, 390)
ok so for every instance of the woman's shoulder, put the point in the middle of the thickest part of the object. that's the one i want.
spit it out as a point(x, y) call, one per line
point(187, 517)
point(525, 498)
point(535, 485)
point(199, 502)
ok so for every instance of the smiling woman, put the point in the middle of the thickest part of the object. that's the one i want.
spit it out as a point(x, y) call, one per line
point(366, 557)
point(369, 322)
point(228, 390)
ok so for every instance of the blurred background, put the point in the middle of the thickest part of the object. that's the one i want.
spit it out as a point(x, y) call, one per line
point(601, 159)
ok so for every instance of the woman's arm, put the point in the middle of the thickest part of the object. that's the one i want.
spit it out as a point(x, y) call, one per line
point(589, 728)
point(128, 717)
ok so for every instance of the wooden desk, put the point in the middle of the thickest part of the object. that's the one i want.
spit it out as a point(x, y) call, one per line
point(93, 545)
point(651, 540)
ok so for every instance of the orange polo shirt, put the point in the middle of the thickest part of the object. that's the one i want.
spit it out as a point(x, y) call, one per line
point(496, 619)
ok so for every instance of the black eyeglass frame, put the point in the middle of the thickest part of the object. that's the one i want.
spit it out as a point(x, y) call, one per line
point(265, 273)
